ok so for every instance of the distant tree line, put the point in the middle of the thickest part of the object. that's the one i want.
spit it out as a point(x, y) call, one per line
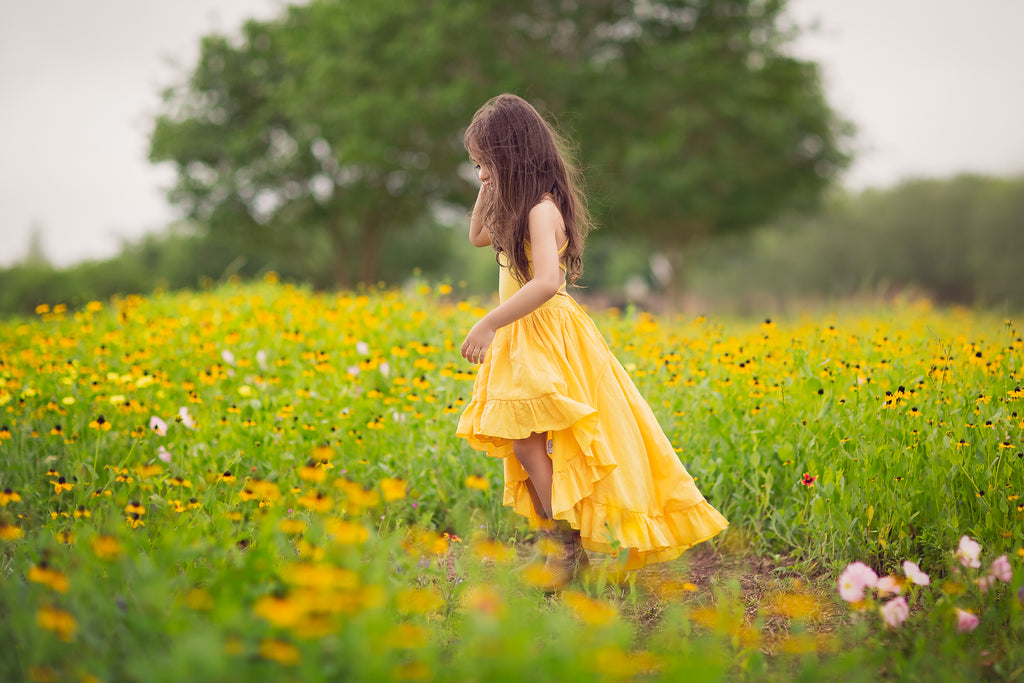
point(956, 241)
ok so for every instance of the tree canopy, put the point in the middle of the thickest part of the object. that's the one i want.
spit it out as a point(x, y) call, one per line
point(334, 128)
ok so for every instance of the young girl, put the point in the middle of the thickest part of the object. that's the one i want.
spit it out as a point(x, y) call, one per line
point(588, 453)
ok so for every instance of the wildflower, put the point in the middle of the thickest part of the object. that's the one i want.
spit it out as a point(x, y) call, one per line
point(185, 418)
point(808, 480)
point(280, 652)
point(895, 612)
point(106, 547)
point(965, 620)
point(1000, 569)
point(8, 496)
point(915, 574)
point(589, 610)
point(475, 481)
point(158, 426)
point(855, 578)
point(57, 621)
point(889, 584)
point(968, 552)
point(100, 423)
point(312, 473)
point(418, 600)
point(61, 485)
point(9, 532)
point(393, 489)
point(163, 454)
point(42, 574)
point(485, 600)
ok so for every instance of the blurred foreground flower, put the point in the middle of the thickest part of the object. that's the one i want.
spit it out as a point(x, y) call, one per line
point(965, 621)
point(855, 578)
point(968, 552)
point(915, 574)
point(895, 612)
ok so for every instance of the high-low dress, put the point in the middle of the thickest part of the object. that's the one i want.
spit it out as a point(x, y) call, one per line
point(616, 477)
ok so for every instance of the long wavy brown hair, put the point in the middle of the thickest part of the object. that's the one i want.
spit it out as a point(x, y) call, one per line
point(527, 159)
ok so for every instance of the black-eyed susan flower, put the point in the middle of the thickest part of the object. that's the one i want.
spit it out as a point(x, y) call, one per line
point(475, 481)
point(43, 574)
point(57, 621)
point(393, 489)
point(100, 423)
point(61, 484)
point(8, 496)
point(316, 501)
point(105, 547)
point(280, 651)
point(10, 532)
point(312, 473)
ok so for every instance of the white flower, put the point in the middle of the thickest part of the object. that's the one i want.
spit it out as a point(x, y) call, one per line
point(261, 359)
point(385, 369)
point(915, 574)
point(362, 348)
point(228, 357)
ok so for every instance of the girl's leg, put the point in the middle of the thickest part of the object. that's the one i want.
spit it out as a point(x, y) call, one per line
point(532, 454)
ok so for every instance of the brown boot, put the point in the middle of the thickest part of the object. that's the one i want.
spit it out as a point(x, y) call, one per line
point(565, 560)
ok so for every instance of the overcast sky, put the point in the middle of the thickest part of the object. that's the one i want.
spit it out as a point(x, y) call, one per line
point(934, 87)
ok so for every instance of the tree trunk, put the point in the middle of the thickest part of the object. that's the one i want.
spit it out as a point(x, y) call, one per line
point(341, 269)
point(369, 254)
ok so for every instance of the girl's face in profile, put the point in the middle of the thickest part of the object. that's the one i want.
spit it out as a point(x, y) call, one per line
point(482, 172)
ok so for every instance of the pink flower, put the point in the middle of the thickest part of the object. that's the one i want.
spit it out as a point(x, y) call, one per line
point(889, 584)
point(1000, 569)
point(163, 454)
point(808, 480)
point(965, 621)
point(158, 425)
point(855, 578)
point(915, 574)
point(985, 582)
point(968, 552)
point(895, 612)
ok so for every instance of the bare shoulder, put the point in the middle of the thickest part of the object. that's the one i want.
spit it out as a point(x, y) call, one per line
point(546, 213)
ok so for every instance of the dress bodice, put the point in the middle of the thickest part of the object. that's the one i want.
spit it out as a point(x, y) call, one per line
point(507, 282)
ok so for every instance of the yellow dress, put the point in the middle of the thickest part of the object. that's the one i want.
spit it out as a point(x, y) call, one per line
point(616, 478)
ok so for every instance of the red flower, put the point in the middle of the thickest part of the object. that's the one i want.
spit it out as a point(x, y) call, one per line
point(808, 480)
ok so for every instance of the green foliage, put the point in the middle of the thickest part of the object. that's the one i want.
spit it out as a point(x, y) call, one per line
point(956, 240)
point(336, 126)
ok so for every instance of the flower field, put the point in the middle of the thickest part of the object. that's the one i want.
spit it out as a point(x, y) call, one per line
point(259, 482)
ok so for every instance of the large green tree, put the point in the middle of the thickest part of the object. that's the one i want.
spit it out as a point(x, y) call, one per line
point(327, 132)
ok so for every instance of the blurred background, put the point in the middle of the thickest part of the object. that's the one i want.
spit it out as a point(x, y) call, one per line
point(743, 156)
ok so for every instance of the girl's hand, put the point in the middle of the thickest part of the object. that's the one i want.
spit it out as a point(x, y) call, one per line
point(479, 339)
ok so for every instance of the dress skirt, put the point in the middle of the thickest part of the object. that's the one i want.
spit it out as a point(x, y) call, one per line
point(616, 478)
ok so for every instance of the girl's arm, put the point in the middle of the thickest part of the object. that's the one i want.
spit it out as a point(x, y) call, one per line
point(545, 224)
point(479, 236)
